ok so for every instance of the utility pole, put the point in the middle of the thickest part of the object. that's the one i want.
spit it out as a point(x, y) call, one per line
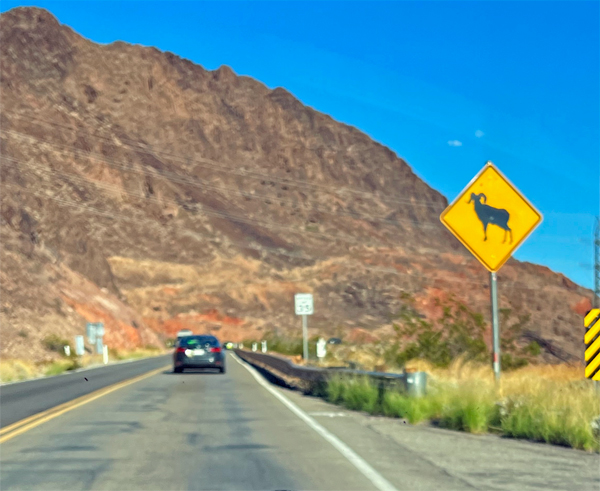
point(597, 277)
point(597, 264)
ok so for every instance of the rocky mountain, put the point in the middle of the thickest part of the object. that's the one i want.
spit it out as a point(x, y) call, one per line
point(142, 190)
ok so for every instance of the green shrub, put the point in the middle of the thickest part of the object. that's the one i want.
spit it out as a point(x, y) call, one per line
point(55, 343)
point(533, 349)
point(553, 417)
point(510, 362)
point(335, 390)
point(62, 366)
point(414, 409)
point(469, 408)
point(359, 394)
point(458, 333)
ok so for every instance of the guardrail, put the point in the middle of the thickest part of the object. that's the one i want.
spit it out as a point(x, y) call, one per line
point(313, 379)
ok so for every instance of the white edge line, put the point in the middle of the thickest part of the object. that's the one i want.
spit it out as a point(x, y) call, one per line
point(366, 470)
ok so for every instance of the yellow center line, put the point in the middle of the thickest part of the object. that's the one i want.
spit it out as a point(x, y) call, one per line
point(37, 419)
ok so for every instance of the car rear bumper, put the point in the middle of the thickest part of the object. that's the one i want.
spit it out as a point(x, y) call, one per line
point(215, 364)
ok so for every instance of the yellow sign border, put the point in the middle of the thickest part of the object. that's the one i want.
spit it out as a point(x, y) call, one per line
point(487, 165)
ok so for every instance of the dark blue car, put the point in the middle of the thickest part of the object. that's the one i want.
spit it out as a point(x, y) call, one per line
point(202, 351)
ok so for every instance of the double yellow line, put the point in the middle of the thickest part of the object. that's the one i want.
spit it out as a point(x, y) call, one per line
point(26, 424)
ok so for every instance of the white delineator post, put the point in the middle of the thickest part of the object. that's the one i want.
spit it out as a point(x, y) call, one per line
point(105, 354)
point(321, 349)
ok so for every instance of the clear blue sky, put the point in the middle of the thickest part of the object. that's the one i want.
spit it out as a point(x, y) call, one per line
point(446, 85)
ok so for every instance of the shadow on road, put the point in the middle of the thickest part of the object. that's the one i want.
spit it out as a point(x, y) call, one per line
point(195, 371)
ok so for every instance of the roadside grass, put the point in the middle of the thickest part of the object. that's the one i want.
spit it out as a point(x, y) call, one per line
point(551, 404)
point(135, 354)
point(14, 370)
point(61, 366)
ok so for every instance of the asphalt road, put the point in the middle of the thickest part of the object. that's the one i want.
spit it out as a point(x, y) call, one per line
point(23, 399)
point(236, 432)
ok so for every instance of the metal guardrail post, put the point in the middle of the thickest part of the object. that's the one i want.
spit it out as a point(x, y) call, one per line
point(416, 383)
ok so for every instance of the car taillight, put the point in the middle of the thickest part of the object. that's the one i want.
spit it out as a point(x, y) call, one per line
point(180, 350)
point(215, 350)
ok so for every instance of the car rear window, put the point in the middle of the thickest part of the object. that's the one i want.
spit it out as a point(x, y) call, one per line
point(190, 341)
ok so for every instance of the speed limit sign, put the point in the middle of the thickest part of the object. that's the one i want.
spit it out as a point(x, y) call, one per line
point(304, 303)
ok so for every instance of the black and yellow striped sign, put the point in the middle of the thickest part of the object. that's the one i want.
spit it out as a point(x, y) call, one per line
point(592, 344)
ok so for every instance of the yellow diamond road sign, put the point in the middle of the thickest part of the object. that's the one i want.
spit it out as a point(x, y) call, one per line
point(491, 217)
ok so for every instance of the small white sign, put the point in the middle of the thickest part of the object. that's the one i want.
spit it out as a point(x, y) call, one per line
point(263, 346)
point(321, 348)
point(254, 346)
point(99, 329)
point(303, 303)
point(79, 346)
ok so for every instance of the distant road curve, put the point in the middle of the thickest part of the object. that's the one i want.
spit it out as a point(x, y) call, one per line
point(23, 399)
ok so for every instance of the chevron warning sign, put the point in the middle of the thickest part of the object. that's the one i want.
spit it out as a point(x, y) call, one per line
point(592, 344)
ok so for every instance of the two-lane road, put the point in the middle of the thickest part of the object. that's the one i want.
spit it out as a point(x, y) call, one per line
point(235, 432)
point(23, 399)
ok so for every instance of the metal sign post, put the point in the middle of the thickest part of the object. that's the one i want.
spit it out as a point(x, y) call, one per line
point(303, 304)
point(304, 337)
point(495, 325)
point(492, 219)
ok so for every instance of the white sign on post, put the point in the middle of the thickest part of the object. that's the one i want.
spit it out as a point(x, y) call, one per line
point(304, 303)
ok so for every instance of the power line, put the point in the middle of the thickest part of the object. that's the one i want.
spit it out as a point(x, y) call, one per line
point(236, 218)
point(222, 167)
point(219, 166)
point(112, 215)
point(269, 250)
point(597, 264)
point(233, 217)
point(175, 178)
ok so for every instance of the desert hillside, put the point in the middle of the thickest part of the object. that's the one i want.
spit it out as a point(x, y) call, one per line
point(142, 190)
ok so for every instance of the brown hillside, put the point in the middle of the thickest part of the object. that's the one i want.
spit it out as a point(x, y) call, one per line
point(140, 189)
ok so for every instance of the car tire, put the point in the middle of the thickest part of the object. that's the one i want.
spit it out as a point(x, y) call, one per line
point(222, 369)
point(177, 370)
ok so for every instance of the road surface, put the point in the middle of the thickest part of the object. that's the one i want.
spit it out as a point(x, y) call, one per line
point(23, 399)
point(237, 432)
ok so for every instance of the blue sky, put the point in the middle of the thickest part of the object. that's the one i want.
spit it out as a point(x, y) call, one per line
point(514, 82)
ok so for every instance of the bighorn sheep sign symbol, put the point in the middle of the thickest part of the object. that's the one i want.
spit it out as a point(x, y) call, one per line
point(490, 215)
point(490, 201)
